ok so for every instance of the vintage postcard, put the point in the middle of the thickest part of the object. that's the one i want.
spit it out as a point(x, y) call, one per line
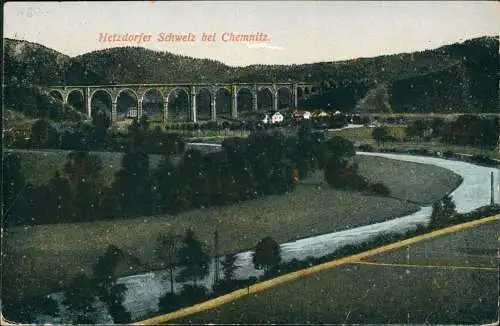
point(239, 162)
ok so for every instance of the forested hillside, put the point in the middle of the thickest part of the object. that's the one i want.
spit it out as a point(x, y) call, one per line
point(461, 77)
point(27, 64)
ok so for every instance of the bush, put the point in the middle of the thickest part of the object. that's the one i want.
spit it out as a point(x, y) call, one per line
point(212, 126)
point(481, 212)
point(420, 151)
point(443, 212)
point(365, 148)
point(24, 311)
point(170, 302)
point(192, 294)
point(355, 182)
point(338, 174)
point(389, 150)
point(225, 286)
point(267, 254)
point(449, 154)
point(484, 160)
point(379, 189)
point(381, 134)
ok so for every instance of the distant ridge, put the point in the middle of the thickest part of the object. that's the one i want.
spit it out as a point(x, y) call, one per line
point(460, 76)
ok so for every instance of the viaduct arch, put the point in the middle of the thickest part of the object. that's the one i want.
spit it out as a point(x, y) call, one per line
point(199, 102)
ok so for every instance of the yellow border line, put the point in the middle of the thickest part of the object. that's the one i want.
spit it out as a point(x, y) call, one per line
point(210, 304)
point(425, 266)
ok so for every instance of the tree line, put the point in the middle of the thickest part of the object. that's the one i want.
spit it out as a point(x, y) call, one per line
point(260, 165)
point(467, 130)
point(264, 163)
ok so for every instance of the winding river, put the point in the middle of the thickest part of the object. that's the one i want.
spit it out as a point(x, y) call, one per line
point(144, 290)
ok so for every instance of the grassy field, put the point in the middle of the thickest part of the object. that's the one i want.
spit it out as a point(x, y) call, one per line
point(419, 183)
point(452, 279)
point(365, 133)
point(43, 258)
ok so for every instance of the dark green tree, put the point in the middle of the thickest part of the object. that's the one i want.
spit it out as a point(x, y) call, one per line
point(242, 176)
point(416, 128)
point(437, 125)
point(83, 170)
point(133, 181)
point(169, 254)
point(192, 176)
point(339, 171)
point(228, 266)
point(13, 184)
point(80, 296)
point(333, 172)
point(98, 136)
point(339, 148)
point(165, 183)
point(267, 254)
point(193, 258)
point(44, 135)
point(104, 270)
point(217, 169)
point(380, 134)
point(116, 309)
point(61, 204)
point(443, 211)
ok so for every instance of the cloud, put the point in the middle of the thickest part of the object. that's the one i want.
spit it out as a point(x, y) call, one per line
point(264, 46)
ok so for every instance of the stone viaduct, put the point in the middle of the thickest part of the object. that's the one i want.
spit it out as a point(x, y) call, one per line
point(86, 95)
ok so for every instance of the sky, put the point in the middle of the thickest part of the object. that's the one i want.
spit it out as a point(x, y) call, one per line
point(297, 31)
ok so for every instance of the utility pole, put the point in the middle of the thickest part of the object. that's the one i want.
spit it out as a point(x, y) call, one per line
point(492, 202)
point(216, 257)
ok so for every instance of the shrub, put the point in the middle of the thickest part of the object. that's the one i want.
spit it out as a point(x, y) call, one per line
point(420, 151)
point(365, 148)
point(267, 254)
point(379, 189)
point(116, 309)
point(389, 150)
point(25, 310)
point(484, 160)
point(170, 302)
point(225, 286)
point(192, 294)
point(443, 212)
point(449, 154)
point(355, 182)
point(381, 134)
point(212, 126)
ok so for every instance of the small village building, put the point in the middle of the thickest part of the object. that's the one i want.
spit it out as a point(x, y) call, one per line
point(319, 113)
point(299, 115)
point(277, 117)
point(273, 117)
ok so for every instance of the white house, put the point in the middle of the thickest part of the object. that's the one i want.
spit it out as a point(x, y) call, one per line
point(273, 118)
point(277, 117)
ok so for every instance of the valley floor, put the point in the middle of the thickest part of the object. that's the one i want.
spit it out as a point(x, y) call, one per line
point(44, 258)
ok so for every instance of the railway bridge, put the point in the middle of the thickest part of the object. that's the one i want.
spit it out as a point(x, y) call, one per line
point(183, 101)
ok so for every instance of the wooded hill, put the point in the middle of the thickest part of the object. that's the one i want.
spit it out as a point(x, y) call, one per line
point(461, 77)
